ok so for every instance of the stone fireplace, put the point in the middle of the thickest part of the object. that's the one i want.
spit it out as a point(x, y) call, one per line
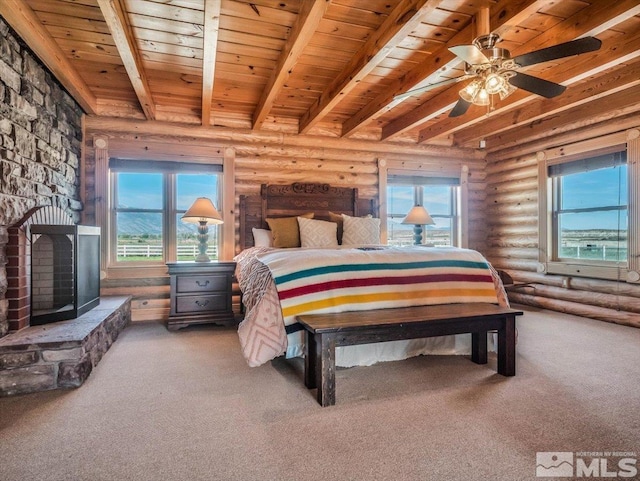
point(59, 326)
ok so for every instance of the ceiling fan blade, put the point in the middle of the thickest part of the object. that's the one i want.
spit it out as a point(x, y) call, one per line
point(536, 85)
point(460, 108)
point(426, 88)
point(567, 49)
point(470, 54)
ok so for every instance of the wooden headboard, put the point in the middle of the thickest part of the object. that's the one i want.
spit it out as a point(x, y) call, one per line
point(276, 200)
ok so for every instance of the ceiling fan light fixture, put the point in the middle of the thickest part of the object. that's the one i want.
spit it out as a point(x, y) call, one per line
point(508, 90)
point(495, 83)
point(471, 91)
point(483, 98)
point(475, 93)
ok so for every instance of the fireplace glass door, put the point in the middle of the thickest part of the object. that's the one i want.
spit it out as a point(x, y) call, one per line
point(65, 271)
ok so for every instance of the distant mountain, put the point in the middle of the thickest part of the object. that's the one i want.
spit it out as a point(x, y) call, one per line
point(139, 224)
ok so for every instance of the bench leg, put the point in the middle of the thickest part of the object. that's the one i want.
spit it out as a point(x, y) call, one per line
point(507, 347)
point(479, 347)
point(326, 369)
point(309, 360)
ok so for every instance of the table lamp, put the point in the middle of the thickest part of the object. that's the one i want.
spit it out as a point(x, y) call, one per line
point(203, 213)
point(418, 216)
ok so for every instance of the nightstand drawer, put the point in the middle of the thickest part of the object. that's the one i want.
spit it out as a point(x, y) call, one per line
point(201, 283)
point(193, 304)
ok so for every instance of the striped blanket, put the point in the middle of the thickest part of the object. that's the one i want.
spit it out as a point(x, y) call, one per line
point(356, 279)
point(263, 335)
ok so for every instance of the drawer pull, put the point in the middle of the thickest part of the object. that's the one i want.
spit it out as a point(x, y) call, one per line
point(202, 303)
point(202, 284)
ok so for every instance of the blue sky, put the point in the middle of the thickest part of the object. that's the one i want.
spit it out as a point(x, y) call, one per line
point(145, 190)
point(593, 189)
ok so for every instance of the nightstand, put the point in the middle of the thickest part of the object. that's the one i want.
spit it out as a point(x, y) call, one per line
point(201, 293)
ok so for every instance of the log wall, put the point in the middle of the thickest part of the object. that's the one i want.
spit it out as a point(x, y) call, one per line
point(512, 240)
point(266, 157)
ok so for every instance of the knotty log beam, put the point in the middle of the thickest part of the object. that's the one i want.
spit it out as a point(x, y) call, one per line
point(600, 313)
point(116, 18)
point(514, 264)
point(578, 283)
point(231, 137)
point(311, 12)
point(404, 18)
point(605, 108)
point(604, 127)
point(210, 50)
point(610, 301)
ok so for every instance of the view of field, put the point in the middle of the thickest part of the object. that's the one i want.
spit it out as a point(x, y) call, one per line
point(597, 244)
point(138, 245)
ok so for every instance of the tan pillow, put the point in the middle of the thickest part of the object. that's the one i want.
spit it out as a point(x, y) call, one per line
point(285, 230)
point(317, 233)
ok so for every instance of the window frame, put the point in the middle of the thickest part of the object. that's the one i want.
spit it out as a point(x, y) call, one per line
point(418, 199)
point(140, 149)
point(169, 209)
point(549, 261)
point(452, 170)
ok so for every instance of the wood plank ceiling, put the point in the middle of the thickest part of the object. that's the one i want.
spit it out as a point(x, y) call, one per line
point(331, 65)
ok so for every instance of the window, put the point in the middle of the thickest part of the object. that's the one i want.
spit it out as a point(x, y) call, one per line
point(440, 196)
point(588, 211)
point(148, 199)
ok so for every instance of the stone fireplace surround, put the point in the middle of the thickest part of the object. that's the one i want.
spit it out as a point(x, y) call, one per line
point(56, 355)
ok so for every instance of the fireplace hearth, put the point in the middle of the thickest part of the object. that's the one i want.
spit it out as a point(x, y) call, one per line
point(53, 273)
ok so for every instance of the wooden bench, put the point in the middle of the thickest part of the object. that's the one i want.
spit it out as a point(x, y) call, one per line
point(323, 332)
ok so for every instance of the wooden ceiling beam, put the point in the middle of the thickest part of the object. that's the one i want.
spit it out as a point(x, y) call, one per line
point(116, 18)
point(506, 14)
point(210, 50)
point(607, 107)
point(26, 23)
point(592, 20)
point(396, 27)
point(311, 12)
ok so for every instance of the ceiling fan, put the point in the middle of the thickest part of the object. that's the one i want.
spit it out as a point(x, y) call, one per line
point(494, 72)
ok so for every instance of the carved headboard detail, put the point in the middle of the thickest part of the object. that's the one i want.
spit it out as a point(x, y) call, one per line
point(288, 200)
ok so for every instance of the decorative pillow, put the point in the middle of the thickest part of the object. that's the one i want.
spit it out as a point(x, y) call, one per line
point(360, 230)
point(317, 233)
point(262, 237)
point(285, 230)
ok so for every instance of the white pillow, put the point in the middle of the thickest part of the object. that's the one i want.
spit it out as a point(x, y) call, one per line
point(262, 237)
point(317, 233)
point(360, 230)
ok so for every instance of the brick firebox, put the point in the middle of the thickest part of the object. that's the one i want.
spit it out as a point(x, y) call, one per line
point(18, 253)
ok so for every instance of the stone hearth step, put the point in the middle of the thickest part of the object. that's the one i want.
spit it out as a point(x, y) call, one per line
point(62, 354)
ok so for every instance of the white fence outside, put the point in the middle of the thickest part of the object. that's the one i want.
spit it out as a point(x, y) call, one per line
point(189, 250)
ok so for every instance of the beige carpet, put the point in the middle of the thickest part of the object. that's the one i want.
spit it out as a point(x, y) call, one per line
point(184, 406)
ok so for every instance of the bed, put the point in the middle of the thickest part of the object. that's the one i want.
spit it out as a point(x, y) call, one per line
point(279, 282)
